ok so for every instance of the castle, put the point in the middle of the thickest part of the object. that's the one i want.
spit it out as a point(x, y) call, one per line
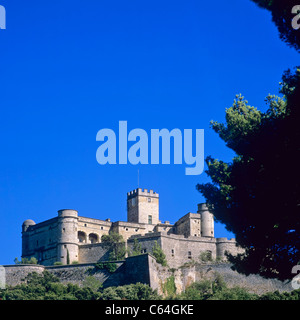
point(70, 237)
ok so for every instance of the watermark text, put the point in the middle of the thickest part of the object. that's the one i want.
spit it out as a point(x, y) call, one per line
point(295, 20)
point(2, 17)
point(159, 147)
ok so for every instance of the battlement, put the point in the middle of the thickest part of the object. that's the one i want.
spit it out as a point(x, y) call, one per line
point(142, 192)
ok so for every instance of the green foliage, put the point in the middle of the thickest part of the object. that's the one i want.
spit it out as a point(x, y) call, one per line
point(136, 291)
point(32, 260)
point(92, 283)
point(241, 121)
point(294, 295)
point(109, 266)
point(46, 286)
point(115, 244)
point(215, 290)
point(57, 263)
point(169, 287)
point(255, 195)
point(159, 255)
point(197, 291)
point(205, 256)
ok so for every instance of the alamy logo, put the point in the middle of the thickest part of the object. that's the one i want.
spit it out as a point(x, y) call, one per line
point(295, 20)
point(138, 152)
point(2, 18)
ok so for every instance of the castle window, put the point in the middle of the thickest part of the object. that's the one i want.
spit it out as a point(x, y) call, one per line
point(126, 229)
point(172, 251)
point(101, 228)
point(149, 219)
point(81, 237)
point(189, 255)
point(93, 238)
point(85, 225)
point(149, 199)
point(133, 202)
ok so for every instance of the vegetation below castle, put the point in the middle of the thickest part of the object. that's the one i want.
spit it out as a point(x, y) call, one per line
point(48, 287)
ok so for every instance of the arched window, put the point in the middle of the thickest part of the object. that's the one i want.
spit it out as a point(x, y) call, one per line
point(93, 238)
point(81, 237)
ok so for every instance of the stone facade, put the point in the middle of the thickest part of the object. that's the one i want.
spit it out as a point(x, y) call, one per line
point(70, 237)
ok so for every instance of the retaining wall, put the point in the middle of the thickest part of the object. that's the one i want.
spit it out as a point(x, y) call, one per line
point(145, 269)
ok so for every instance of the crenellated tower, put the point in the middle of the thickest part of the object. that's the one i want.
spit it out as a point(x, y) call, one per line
point(143, 206)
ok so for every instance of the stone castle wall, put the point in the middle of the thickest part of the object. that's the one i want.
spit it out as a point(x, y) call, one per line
point(91, 253)
point(145, 269)
point(180, 249)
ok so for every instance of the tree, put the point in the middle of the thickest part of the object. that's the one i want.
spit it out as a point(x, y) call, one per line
point(32, 260)
point(138, 291)
point(46, 286)
point(257, 195)
point(282, 16)
point(115, 244)
point(159, 255)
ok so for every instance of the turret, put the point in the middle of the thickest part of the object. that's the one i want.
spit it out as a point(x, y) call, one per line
point(26, 248)
point(67, 247)
point(223, 245)
point(207, 221)
point(26, 224)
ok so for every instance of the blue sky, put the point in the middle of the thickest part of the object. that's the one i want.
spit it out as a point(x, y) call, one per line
point(71, 68)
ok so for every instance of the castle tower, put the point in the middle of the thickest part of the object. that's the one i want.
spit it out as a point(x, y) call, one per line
point(207, 221)
point(26, 247)
point(67, 247)
point(143, 206)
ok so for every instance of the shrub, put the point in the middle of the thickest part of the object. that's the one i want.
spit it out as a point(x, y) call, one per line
point(32, 260)
point(109, 266)
point(138, 291)
point(159, 255)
